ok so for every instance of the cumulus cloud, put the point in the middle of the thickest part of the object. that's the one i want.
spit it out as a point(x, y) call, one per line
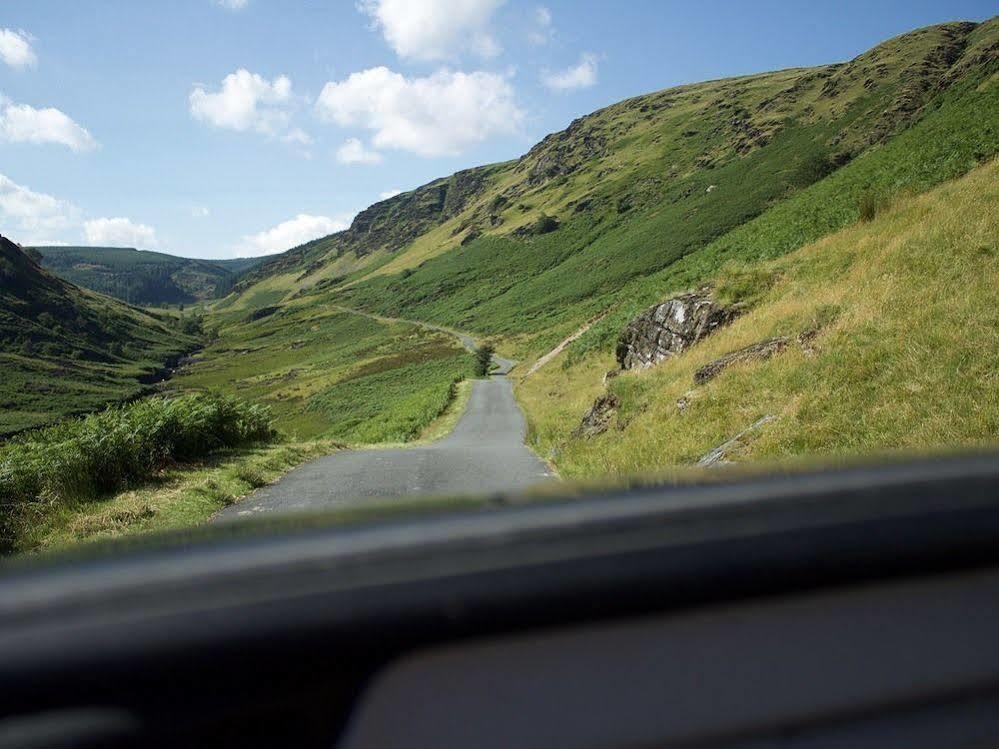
point(21, 123)
point(389, 193)
point(15, 49)
point(201, 211)
point(355, 152)
point(33, 217)
point(299, 230)
point(119, 232)
point(231, 4)
point(582, 75)
point(541, 32)
point(246, 101)
point(434, 116)
point(435, 29)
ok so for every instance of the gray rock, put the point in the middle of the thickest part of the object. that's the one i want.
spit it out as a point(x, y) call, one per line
point(598, 418)
point(670, 328)
point(719, 456)
point(757, 352)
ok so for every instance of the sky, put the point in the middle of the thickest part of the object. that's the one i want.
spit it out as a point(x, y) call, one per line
point(228, 128)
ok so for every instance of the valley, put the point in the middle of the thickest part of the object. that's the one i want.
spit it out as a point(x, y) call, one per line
point(842, 218)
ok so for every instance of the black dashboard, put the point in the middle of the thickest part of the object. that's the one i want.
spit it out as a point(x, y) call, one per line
point(846, 608)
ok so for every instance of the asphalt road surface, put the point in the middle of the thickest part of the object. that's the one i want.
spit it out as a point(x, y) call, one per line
point(485, 454)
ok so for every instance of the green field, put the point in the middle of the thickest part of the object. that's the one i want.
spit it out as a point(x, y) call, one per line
point(329, 373)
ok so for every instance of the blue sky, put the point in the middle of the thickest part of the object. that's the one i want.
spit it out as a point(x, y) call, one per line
point(219, 128)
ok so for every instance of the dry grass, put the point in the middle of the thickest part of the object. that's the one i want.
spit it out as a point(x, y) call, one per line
point(906, 356)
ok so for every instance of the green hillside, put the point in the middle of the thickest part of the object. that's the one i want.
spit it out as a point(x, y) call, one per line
point(650, 197)
point(142, 277)
point(614, 209)
point(64, 350)
point(892, 344)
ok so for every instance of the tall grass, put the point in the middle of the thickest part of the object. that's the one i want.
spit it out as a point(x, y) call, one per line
point(85, 458)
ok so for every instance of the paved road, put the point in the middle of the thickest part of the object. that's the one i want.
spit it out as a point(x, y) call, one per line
point(501, 366)
point(485, 454)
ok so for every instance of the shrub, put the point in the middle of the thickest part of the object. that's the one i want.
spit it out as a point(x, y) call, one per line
point(85, 458)
point(871, 203)
point(483, 360)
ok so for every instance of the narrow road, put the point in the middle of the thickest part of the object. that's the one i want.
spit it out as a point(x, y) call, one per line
point(485, 454)
point(501, 366)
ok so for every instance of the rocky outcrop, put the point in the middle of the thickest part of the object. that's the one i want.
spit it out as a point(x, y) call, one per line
point(757, 352)
point(670, 328)
point(598, 418)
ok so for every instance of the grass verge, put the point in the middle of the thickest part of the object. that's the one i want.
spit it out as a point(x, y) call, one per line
point(82, 460)
point(177, 497)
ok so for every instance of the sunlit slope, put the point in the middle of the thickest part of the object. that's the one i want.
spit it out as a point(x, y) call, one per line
point(529, 249)
point(65, 350)
point(324, 372)
point(892, 334)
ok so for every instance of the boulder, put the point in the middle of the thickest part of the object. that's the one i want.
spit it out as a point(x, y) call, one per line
point(598, 418)
point(670, 328)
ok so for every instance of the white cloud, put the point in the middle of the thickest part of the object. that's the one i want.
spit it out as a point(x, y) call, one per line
point(21, 123)
point(355, 152)
point(299, 230)
point(435, 29)
point(542, 31)
point(15, 49)
point(578, 76)
point(33, 215)
point(246, 101)
point(297, 137)
point(231, 4)
point(119, 232)
point(201, 211)
point(389, 193)
point(434, 116)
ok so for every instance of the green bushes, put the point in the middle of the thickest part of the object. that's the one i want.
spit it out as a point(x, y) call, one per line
point(484, 360)
point(85, 458)
point(870, 204)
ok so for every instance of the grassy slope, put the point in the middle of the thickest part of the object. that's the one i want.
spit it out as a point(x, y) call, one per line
point(652, 195)
point(605, 256)
point(331, 373)
point(141, 277)
point(64, 350)
point(907, 356)
point(630, 185)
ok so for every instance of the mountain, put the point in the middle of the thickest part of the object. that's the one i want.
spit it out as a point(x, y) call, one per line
point(530, 249)
point(142, 277)
point(643, 200)
point(66, 350)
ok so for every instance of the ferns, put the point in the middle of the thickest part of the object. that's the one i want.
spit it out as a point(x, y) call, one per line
point(106, 451)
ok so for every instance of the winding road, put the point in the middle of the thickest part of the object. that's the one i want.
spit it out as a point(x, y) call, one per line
point(485, 454)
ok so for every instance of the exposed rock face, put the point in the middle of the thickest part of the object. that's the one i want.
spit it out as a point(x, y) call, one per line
point(757, 352)
point(598, 418)
point(670, 328)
